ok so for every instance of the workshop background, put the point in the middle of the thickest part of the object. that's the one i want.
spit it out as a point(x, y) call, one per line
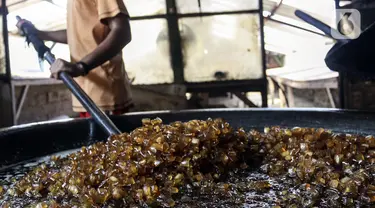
point(190, 54)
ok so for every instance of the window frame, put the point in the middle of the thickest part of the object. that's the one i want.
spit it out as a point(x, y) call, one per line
point(172, 18)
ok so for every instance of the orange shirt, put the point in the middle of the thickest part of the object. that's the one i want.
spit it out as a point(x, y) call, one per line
point(107, 85)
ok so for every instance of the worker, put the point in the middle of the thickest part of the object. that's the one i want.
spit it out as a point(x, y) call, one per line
point(97, 31)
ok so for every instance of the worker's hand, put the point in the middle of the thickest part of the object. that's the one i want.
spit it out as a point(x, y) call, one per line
point(61, 65)
point(23, 21)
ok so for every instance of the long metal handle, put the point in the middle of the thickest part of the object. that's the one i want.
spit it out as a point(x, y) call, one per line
point(98, 115)
point(44, 52)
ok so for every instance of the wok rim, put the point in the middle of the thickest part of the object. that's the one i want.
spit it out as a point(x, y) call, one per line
point(353, 112)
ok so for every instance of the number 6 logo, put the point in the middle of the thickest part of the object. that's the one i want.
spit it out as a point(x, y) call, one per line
point(348, 24)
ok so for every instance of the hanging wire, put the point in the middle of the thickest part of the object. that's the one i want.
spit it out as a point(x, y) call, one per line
point(274, 10)
point(200, 9)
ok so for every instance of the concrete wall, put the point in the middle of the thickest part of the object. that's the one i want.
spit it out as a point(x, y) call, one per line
point(50, 101)
point(314, 98)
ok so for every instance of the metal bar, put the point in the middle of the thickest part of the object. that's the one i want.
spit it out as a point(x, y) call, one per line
point(283, 98)
point(263, 54)
point(203, 14)
point(264, 93)
point(242, 96)
point(272, 89)
point(254, 85)
point(274, 10)
point(14, 103)
point(281, 89)
point(8, 74)
point(320, 25)
point(53, 45)
point(24, 92)
point(200, 8)
point(175, 42)
point(159, 16)
point(4, 13)
point(85, 100)
point(330, 97)
point(290, 96)
point(314, 22)
point(297, 27)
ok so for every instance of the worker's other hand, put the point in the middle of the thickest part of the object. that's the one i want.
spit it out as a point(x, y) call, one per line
point(61, 65)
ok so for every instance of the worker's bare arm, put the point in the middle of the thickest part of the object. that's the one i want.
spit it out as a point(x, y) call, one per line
point(118, 37)
point(59, 36)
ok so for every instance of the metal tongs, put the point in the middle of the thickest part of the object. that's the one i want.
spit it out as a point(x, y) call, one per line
point(28, 29)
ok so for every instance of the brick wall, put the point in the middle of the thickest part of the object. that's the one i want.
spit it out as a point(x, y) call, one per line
point(45, 102)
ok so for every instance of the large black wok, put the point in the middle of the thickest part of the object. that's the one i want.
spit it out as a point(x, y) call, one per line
point(26, 142)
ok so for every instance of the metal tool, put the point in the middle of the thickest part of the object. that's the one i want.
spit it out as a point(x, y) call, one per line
point(326, 29)
point(44, 52)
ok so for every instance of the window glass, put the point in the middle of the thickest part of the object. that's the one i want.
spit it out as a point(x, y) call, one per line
point(24, 61)
point(147, 59)
point(192, 6)
point(145, 7)
point(44, 15)
point(224, 47)
point(300, 47)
